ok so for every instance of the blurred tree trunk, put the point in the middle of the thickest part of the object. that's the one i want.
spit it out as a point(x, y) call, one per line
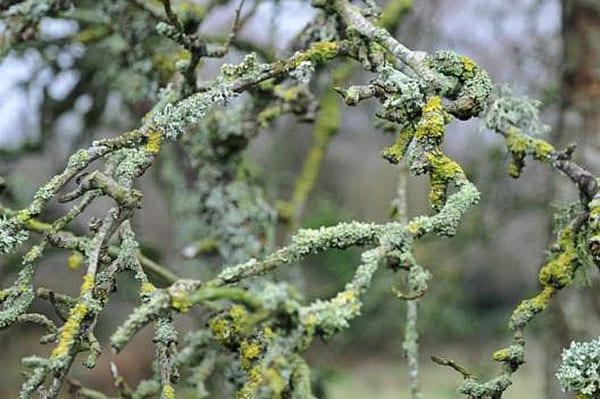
point(579, 120)
point(580, 86)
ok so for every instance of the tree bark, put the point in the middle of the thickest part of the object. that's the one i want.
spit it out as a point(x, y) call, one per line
point(580, 86)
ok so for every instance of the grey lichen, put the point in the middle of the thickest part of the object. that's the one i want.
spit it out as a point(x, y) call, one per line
point(507, 111)
point(12, 234)
point(579, 371)
point(473, 86)
point(475, 389)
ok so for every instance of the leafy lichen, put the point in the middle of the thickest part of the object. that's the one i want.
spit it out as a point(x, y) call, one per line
point(579, 370)
point(12, 234)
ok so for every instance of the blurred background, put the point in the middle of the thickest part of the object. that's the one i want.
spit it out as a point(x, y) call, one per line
point(545, 49)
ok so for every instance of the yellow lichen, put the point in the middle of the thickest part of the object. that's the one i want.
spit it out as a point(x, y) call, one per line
point(443, 167)
point(154, 141)
point(36, 225)
point(469, 67)
point(221, 329)
point(88, 284)
point(168, 392)
point(230, 327)
point(542, 150)
point(255, 378)
point(147, 288)
point(238, 314)
point(310, 320)
point(69, 331)
point(74, 260)
point(554, 275)
point(413, 227)
point(23, 216)
point(287, 94)
point(268, 333)
point(520, 145)
point(443, 171)
point(594, 224)
point(502, 355)
point(560, 270)
point(269, 114)
point(530, 307)
point(92, 34)
point(275, 381)
point(514, 170)
point(434, 104)
point(318, 52)
point(180, 302)
point(166, 63)
point(346, 296)
point(433, 120)
point(322, 51)
point(395, 152)
point(516, 142)
point(249, 352)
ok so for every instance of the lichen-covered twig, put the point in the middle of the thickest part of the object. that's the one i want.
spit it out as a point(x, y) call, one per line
point(264, 326)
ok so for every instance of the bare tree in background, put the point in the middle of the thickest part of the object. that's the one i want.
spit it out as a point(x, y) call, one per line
point(579, 121)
